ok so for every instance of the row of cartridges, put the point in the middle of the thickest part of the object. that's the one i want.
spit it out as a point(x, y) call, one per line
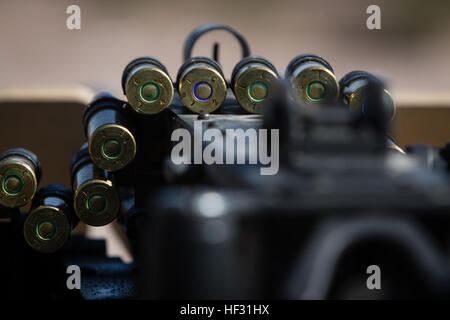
point(55, 209)
point(111, 144)
point(202, 87)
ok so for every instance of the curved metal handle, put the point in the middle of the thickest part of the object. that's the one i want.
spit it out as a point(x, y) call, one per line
point(197, 33)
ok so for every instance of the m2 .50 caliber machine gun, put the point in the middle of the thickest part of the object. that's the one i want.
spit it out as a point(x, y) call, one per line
point(259, 187)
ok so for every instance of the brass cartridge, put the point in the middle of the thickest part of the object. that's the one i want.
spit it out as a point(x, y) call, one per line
point(20, 172)
point(95, 198)
point(112, 145)
point(252, 82)
point(312, 80)
point(201, 85)
point(353, 90)
point(51, 219)
point(147, 85)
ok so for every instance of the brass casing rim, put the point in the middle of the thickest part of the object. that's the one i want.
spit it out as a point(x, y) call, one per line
point(139, 76)
point(353, 95)
point(29, 183)
point(196, 73)
point(90, 188)
point(312, 71)
point(58, 218)
point(247, 75)
point(107, 132)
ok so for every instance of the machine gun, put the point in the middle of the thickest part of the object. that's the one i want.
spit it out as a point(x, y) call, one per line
point(258, 187)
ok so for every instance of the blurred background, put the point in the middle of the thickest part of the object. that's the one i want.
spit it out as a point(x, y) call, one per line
point(412, 50)
point(46, 70)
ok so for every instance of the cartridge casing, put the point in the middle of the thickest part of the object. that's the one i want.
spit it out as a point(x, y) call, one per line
point(201, 85)
point(50, 220)
point(20, 172)
point(112, 145)
point(252, 82)
point(147, 85)
point(95, 198)
point(312, 80)
point(353, 93)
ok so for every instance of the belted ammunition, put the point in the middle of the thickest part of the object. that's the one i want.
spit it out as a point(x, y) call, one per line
point(353, 90)
point(201, 85)
point(95, 201)
point(312, 80)
point(252, 82)
point(147, 85)
point(51, 219)
point(111, 144)
point(20, 172)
